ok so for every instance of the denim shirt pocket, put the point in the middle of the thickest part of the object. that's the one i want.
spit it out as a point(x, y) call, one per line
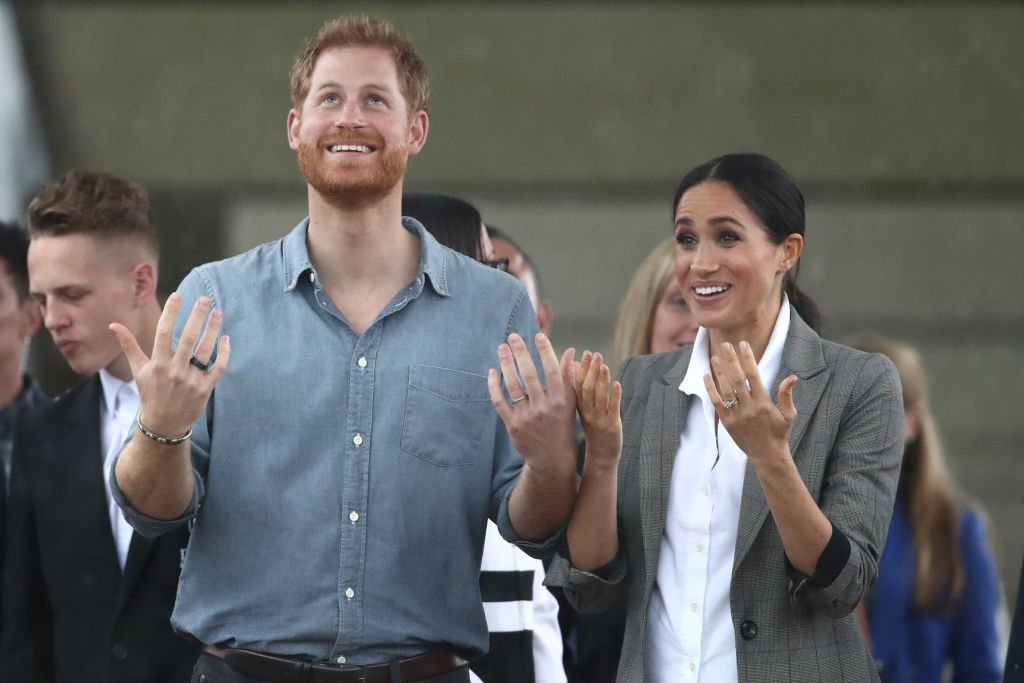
point(447, 415)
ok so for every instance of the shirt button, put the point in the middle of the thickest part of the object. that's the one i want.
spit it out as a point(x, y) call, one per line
point(349, 593)
point(362, 362)
point(312, 277)
point(357, 440)
point(700, 547)
point(693, 667)
point(354, 516)
point(693, 607)
point(341, 659)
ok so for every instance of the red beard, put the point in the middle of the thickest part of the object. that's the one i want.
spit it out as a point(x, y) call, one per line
point(355, 184)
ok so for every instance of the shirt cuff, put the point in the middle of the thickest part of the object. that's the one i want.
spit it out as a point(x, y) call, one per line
point(830, 563)
point(151, 526)
point(541, 550)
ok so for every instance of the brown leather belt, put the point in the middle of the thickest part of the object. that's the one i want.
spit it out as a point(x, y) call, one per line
point(285, 670)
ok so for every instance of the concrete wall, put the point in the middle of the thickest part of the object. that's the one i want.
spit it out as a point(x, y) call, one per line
point(569, 127)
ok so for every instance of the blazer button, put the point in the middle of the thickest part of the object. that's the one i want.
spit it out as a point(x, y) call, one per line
point(120, 651)
point(748, 629)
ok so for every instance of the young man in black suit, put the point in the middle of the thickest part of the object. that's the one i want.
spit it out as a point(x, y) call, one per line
point(85, 598)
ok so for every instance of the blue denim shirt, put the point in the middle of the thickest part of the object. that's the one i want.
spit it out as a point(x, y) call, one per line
point(343, 482)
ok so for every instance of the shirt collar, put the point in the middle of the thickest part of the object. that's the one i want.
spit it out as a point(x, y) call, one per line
point(700, 358)
point(111, 386)
point(433, 259)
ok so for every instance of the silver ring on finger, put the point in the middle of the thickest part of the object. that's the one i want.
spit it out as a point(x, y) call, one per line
point(205, 367)
point(731, 403)
point(517, 400)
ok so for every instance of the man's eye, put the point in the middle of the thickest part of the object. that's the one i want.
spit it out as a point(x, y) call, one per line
point(330, 99)
point(375, 99)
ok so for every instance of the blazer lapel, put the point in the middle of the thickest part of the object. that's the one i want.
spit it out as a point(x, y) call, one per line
point(801, 356)
point(138, 554)
point(82, 449)
point(665, 416)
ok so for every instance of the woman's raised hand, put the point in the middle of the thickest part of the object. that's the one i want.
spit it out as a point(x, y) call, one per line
point(598, 399)
point(744, 407)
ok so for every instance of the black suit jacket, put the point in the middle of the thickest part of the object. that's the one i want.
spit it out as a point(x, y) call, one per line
point(69, 613)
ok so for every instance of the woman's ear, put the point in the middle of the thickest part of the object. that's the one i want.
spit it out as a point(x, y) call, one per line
point(791, 248)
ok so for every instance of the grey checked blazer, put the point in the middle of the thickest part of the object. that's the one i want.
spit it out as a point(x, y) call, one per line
point(847, 442)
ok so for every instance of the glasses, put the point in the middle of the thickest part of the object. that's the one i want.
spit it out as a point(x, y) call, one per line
point(499, 263)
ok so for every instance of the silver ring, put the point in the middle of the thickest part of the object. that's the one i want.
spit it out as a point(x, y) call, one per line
point(199, 364)
point(730, 403)
point(517, 400)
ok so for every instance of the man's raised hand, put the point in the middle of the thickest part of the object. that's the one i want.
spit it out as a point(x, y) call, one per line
point(175, 384)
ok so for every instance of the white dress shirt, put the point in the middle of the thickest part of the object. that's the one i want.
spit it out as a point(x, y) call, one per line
point(117, 417)
point(690, 632)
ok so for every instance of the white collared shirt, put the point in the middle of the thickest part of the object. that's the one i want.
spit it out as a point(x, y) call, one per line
point(690, 632)
point(117, 417)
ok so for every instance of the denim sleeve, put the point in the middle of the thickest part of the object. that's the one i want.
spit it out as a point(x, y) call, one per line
point(508, 463)
point(191, 288)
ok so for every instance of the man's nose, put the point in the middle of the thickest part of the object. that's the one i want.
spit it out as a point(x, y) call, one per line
point(350, 115)
point(54, 316)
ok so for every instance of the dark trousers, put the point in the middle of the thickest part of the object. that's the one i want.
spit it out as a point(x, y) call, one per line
point(212, 670)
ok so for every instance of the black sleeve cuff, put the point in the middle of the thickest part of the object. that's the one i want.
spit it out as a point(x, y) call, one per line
point(830, 564)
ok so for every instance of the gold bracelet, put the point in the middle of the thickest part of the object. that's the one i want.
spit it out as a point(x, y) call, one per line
point(162, 439)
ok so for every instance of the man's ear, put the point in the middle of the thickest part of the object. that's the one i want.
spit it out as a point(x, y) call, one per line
point(30, 317)
point(419, 125)
point(144, 278)
point(294, 122)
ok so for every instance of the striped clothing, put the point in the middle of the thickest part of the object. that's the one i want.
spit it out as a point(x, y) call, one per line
point(522, 618)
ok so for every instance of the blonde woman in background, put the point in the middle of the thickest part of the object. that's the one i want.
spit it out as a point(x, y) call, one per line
point(937, 597)
point(654, 316)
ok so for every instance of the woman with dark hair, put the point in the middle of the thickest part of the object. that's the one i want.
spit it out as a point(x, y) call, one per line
point(453, 222)
point(937, 599)
point(738, 490)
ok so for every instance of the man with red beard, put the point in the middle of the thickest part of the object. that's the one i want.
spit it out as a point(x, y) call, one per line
point(341, 473)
